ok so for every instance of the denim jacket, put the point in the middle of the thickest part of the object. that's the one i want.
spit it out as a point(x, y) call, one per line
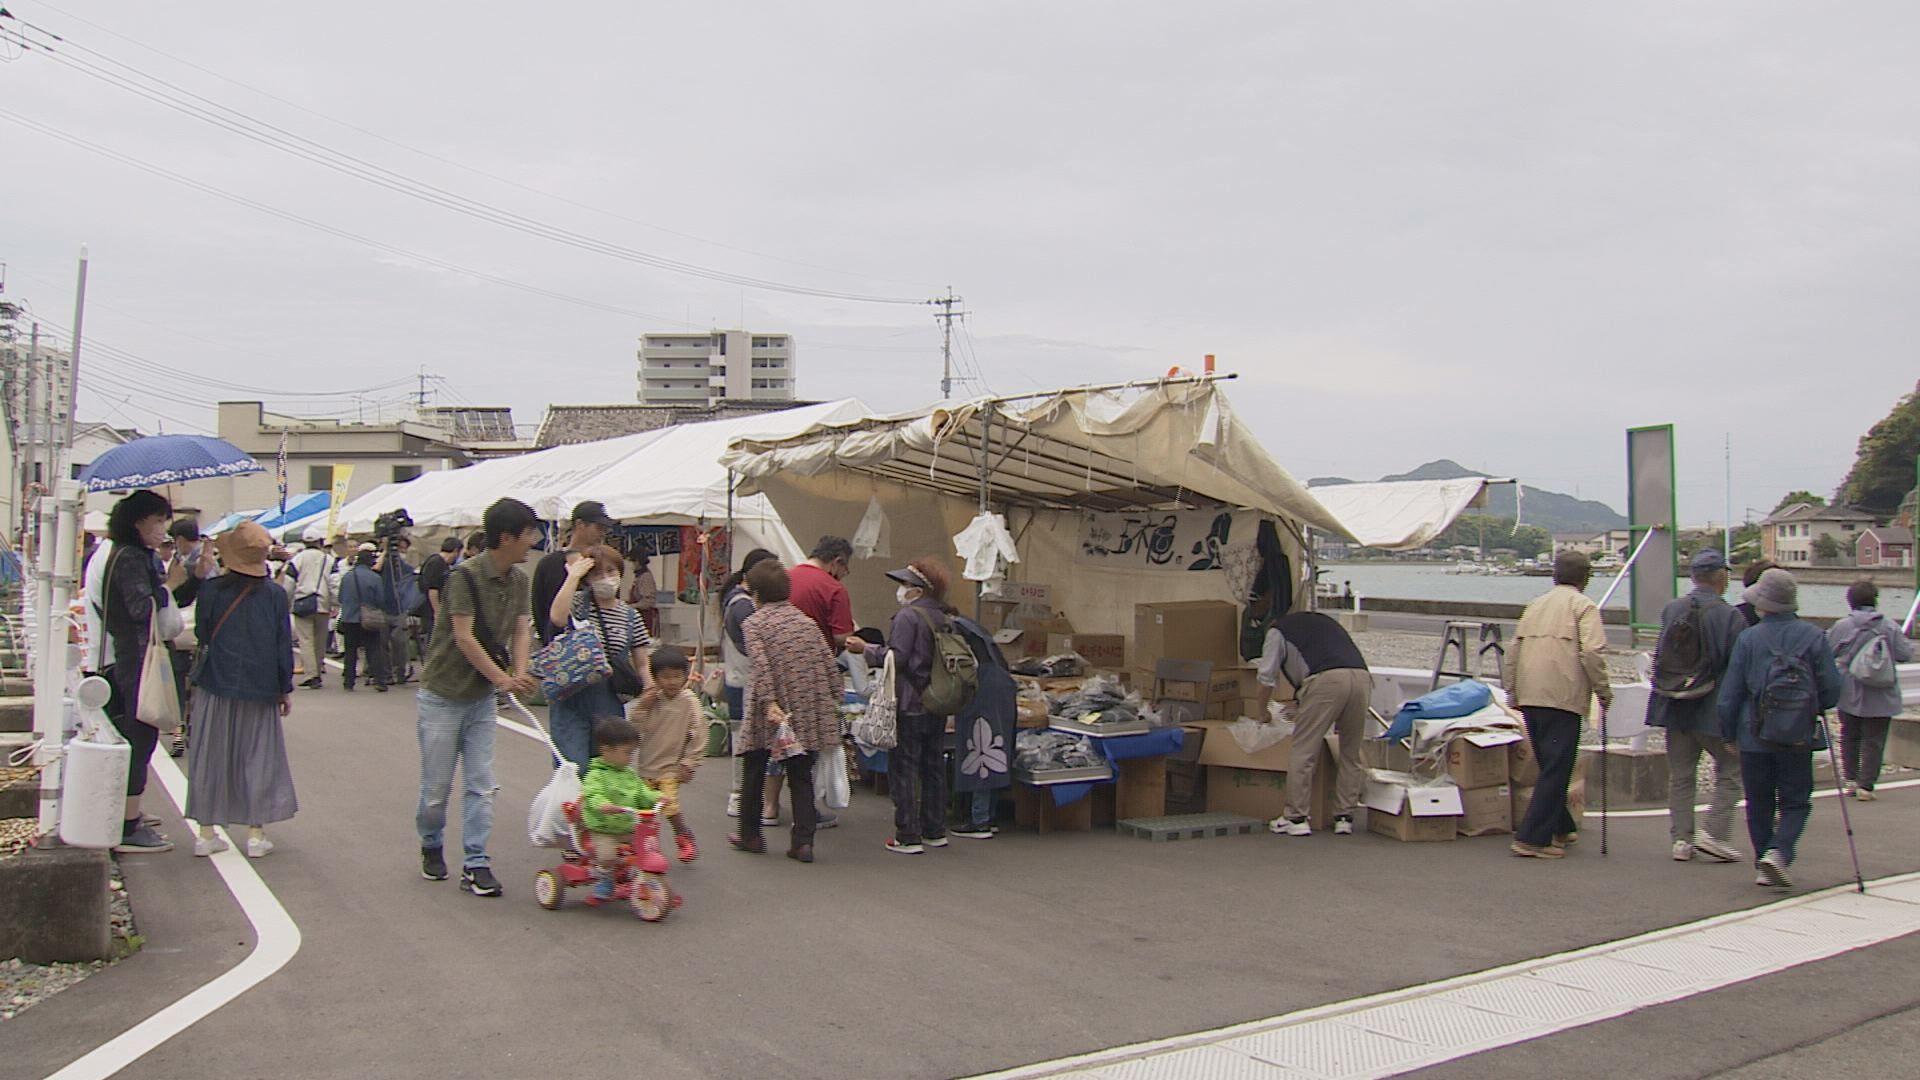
point(1747, 673)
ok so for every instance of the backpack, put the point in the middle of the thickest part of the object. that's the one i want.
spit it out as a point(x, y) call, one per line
point(1682, 667)
point(1872, 666)
point(1787, 708)
point(956, 671)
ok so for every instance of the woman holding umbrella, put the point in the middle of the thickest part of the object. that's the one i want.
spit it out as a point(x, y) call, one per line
point(133, 588)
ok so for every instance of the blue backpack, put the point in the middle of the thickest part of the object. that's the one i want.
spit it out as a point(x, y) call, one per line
point(1786, 711)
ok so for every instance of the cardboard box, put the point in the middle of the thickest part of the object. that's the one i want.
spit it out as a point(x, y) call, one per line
point(1098, 650)
point(1413, 814)
point(1262, 793)
point(1479, 760)
point(1486, 811)
point(1523, 769)
point(1186, 630)
point(1032, 636)
point(1021, 592)
point(1186, 787)
point(1521, 798)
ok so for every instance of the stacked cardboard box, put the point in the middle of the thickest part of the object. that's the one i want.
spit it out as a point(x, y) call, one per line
point(1186, 630)
point(1255, 785)
point(1477, 763)
point(1413, 813)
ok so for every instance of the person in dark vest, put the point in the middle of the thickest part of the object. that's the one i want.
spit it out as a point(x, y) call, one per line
point(1693, 723)
point(1330, 680)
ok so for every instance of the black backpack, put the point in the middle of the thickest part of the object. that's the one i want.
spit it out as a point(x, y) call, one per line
point(1682, 668)
point(1786, 711)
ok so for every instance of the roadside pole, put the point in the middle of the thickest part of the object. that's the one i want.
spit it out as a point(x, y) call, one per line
point(60, 519)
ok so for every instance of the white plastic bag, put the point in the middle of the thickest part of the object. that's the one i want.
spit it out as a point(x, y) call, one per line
point(547, 817)
point(871, 537)
point(1254, 736)
point(830, 778)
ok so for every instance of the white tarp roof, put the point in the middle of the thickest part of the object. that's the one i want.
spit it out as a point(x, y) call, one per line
point(668, 476)
point(1401, 514)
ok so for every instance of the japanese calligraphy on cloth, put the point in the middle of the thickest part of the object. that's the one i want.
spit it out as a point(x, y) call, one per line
point(1163, 539)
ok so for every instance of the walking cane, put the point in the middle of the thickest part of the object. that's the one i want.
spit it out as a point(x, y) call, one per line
point(1840, 790)
point(1603, 780)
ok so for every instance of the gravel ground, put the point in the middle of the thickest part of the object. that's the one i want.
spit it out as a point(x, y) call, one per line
point(24, 985)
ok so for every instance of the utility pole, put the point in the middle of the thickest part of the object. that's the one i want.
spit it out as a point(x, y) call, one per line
point(73, 366)
point(420, 398)
point(34, 393)
point(1728, 550)
point(946, 316)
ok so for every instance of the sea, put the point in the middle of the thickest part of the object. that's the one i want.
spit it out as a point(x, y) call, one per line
point(1422, 581)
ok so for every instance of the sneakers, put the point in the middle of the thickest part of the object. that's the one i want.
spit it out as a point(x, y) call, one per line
point(974, 832)
point(258, 847)
point(935, 841)
point(1682, 851)
point(479, 881)
point(688, 850)
point(1533, 851)
point(733, 804)
point(1715, 849)
point(755, 846)
point(433, 866)
point(1773, 871)
point(142, 841)
point(1865, 794)
point(1343, 826)
point(768, 821)
point(1285, 827)
point(313, 683)
point(903, 849)
point(1566, 840)
point(205, 846)
point(177, 747)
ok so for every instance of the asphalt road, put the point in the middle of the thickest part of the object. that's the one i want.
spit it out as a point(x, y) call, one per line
point(980, 956)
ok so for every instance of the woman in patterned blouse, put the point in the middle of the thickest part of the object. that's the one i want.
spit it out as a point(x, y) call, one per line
point(794, 678)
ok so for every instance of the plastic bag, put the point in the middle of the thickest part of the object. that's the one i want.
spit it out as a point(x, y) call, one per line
point(785, 744)
point(1254, 736)
point(831, 781)
point(871, 536)
point(547, 817)
point(1032, 708)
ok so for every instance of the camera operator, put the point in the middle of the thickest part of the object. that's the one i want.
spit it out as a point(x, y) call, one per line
point(403, 589)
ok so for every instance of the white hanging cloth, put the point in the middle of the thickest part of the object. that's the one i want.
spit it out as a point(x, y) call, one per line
point(873, 537)
point(986, 545)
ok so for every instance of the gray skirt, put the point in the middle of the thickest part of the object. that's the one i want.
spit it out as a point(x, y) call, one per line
point(237, 763)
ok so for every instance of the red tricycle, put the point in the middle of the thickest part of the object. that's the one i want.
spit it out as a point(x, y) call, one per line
point(640, 880)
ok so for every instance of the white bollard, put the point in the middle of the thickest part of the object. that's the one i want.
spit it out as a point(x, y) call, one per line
point(93, 801)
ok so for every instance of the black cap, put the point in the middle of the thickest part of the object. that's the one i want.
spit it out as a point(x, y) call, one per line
point(594, 512)
point(910, 577)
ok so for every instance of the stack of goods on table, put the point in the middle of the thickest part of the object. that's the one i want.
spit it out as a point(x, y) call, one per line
point(1057, 757)
point(1454, 763)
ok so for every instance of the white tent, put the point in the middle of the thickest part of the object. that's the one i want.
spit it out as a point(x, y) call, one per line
point(1112, 498)
point(671, 476)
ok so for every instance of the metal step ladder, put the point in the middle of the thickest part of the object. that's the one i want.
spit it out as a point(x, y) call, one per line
point(1491, 641)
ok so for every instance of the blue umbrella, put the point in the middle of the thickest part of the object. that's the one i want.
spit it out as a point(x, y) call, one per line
point(166, 459)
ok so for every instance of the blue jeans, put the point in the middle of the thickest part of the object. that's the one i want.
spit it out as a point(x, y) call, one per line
point(457, 732)
point(1779, 782)
point(982, 815)
point(573, 718)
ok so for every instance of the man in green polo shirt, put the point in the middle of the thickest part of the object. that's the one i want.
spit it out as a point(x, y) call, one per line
point(482, 637)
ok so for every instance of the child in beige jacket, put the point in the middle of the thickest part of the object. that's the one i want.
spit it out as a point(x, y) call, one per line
point(671, 739)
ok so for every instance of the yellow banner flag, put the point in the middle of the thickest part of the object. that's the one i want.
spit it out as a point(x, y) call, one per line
point(342, 477)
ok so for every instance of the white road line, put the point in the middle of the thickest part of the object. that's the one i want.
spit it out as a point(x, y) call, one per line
point(1417, 1027)
point(276, 940)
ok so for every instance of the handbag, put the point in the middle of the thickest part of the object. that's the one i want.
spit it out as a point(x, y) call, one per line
point(571, 662)
point(159, 704)
point(879, 727)
point(306, 607)
point(626, 682)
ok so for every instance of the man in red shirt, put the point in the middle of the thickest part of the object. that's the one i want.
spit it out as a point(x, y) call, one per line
point(817, 590)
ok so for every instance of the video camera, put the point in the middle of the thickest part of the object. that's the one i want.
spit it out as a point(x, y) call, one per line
point(390, 525)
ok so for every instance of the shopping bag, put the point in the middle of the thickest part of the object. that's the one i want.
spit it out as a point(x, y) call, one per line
point(159, 705)
point(831, 781)
point(547, 817)
point(571, 662)
point(879, 727)
point(785, 743)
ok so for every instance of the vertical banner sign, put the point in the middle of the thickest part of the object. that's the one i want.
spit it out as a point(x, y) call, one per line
point(342, 478)
point(1650, 504)
point(280, 472)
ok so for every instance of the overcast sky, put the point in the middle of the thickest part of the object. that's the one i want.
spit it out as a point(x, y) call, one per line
point(1497, 232)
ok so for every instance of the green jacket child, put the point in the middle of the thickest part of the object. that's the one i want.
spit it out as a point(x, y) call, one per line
point(608, 782)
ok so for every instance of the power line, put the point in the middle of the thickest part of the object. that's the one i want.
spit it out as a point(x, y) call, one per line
point(286, 215)
point(616, 215)
point(267, 134)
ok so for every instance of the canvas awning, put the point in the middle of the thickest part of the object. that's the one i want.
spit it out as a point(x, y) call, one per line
point(1399, 515)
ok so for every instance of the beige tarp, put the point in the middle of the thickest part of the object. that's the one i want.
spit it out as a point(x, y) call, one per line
point(1051, 461)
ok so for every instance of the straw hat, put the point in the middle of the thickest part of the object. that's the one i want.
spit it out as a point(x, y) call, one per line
point(244, 548)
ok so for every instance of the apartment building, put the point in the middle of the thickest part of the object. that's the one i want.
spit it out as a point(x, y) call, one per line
point(722, 365)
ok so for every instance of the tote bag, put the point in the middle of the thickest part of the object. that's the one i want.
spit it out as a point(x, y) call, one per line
point(159, 705)
point(879, 727)
point(571, 662)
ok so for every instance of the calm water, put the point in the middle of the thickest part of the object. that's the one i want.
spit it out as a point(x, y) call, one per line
point(1417, 581)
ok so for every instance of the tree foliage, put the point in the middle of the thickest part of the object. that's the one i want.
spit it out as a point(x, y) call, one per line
point(1792, 497)
point(1826, 547)
point(1883, 468)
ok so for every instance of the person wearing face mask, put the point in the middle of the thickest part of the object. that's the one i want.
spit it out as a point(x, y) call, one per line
point(189, 548)
point(917, 768)
point(134, 585)
point(622, 633)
